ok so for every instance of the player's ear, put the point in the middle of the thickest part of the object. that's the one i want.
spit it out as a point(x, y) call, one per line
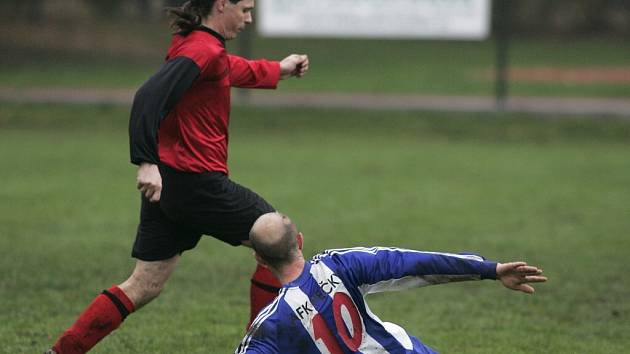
point(300, 240)
point(221, 5)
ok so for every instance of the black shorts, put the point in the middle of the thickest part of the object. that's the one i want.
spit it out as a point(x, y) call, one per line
point(192, 205)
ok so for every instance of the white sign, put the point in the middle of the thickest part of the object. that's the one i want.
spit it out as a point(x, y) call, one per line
point(443, 19)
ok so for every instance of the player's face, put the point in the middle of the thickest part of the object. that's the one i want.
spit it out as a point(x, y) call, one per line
point(236, 17)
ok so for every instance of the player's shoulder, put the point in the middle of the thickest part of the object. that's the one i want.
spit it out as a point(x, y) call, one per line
point(205, 40)
point(271, 313)
point(197, 45)
point(262, 335)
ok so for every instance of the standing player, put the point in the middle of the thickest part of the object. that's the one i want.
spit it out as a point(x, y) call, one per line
point(321, 307)
point(179, 139)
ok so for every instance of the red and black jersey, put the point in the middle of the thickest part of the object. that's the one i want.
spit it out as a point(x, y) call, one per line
point(180, 116)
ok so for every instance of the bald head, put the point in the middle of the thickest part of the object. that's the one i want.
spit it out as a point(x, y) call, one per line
point(274, 238)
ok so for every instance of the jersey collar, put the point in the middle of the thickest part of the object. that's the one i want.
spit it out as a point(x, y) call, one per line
point(213, 33)
point(306, 273)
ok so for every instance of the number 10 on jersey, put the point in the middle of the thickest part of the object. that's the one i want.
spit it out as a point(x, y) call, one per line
point(351, 338)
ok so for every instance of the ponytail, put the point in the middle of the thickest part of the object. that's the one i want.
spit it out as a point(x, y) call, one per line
point(190, 15)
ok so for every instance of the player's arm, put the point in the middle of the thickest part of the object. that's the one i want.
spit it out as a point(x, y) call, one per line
point(153, 101)
point(246, 73)
point(383, 269)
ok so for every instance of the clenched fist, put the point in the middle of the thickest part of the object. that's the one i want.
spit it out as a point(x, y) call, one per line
point(294, 65)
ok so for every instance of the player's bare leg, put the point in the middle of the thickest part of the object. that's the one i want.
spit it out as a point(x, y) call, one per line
point(147, 280)
point(110, 309)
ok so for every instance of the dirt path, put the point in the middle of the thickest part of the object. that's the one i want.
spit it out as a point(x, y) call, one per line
point(569, 75)
point(572, 106)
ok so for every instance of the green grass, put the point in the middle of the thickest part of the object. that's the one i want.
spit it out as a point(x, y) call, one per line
point(553, 192)
point(445, 67)
point(377, 66)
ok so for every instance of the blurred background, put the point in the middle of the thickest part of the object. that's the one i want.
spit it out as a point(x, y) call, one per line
point(548, 48)
point(514, 145)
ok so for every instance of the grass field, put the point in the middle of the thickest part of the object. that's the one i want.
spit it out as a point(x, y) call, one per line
point(553, 192)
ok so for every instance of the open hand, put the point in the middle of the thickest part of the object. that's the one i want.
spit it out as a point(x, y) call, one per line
point(518, 275)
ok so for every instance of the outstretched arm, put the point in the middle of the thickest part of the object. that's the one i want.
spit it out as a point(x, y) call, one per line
point(518, 275)
point(385, 269)
point(379, 269)
point(245, 73)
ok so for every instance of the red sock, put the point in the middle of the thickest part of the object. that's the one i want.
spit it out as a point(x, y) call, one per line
point(263, 290)
point(103, 315)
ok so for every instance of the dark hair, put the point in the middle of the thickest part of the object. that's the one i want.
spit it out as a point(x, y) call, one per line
point(189, 16)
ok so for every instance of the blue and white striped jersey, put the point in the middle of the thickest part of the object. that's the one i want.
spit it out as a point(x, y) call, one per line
point(324, 310)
